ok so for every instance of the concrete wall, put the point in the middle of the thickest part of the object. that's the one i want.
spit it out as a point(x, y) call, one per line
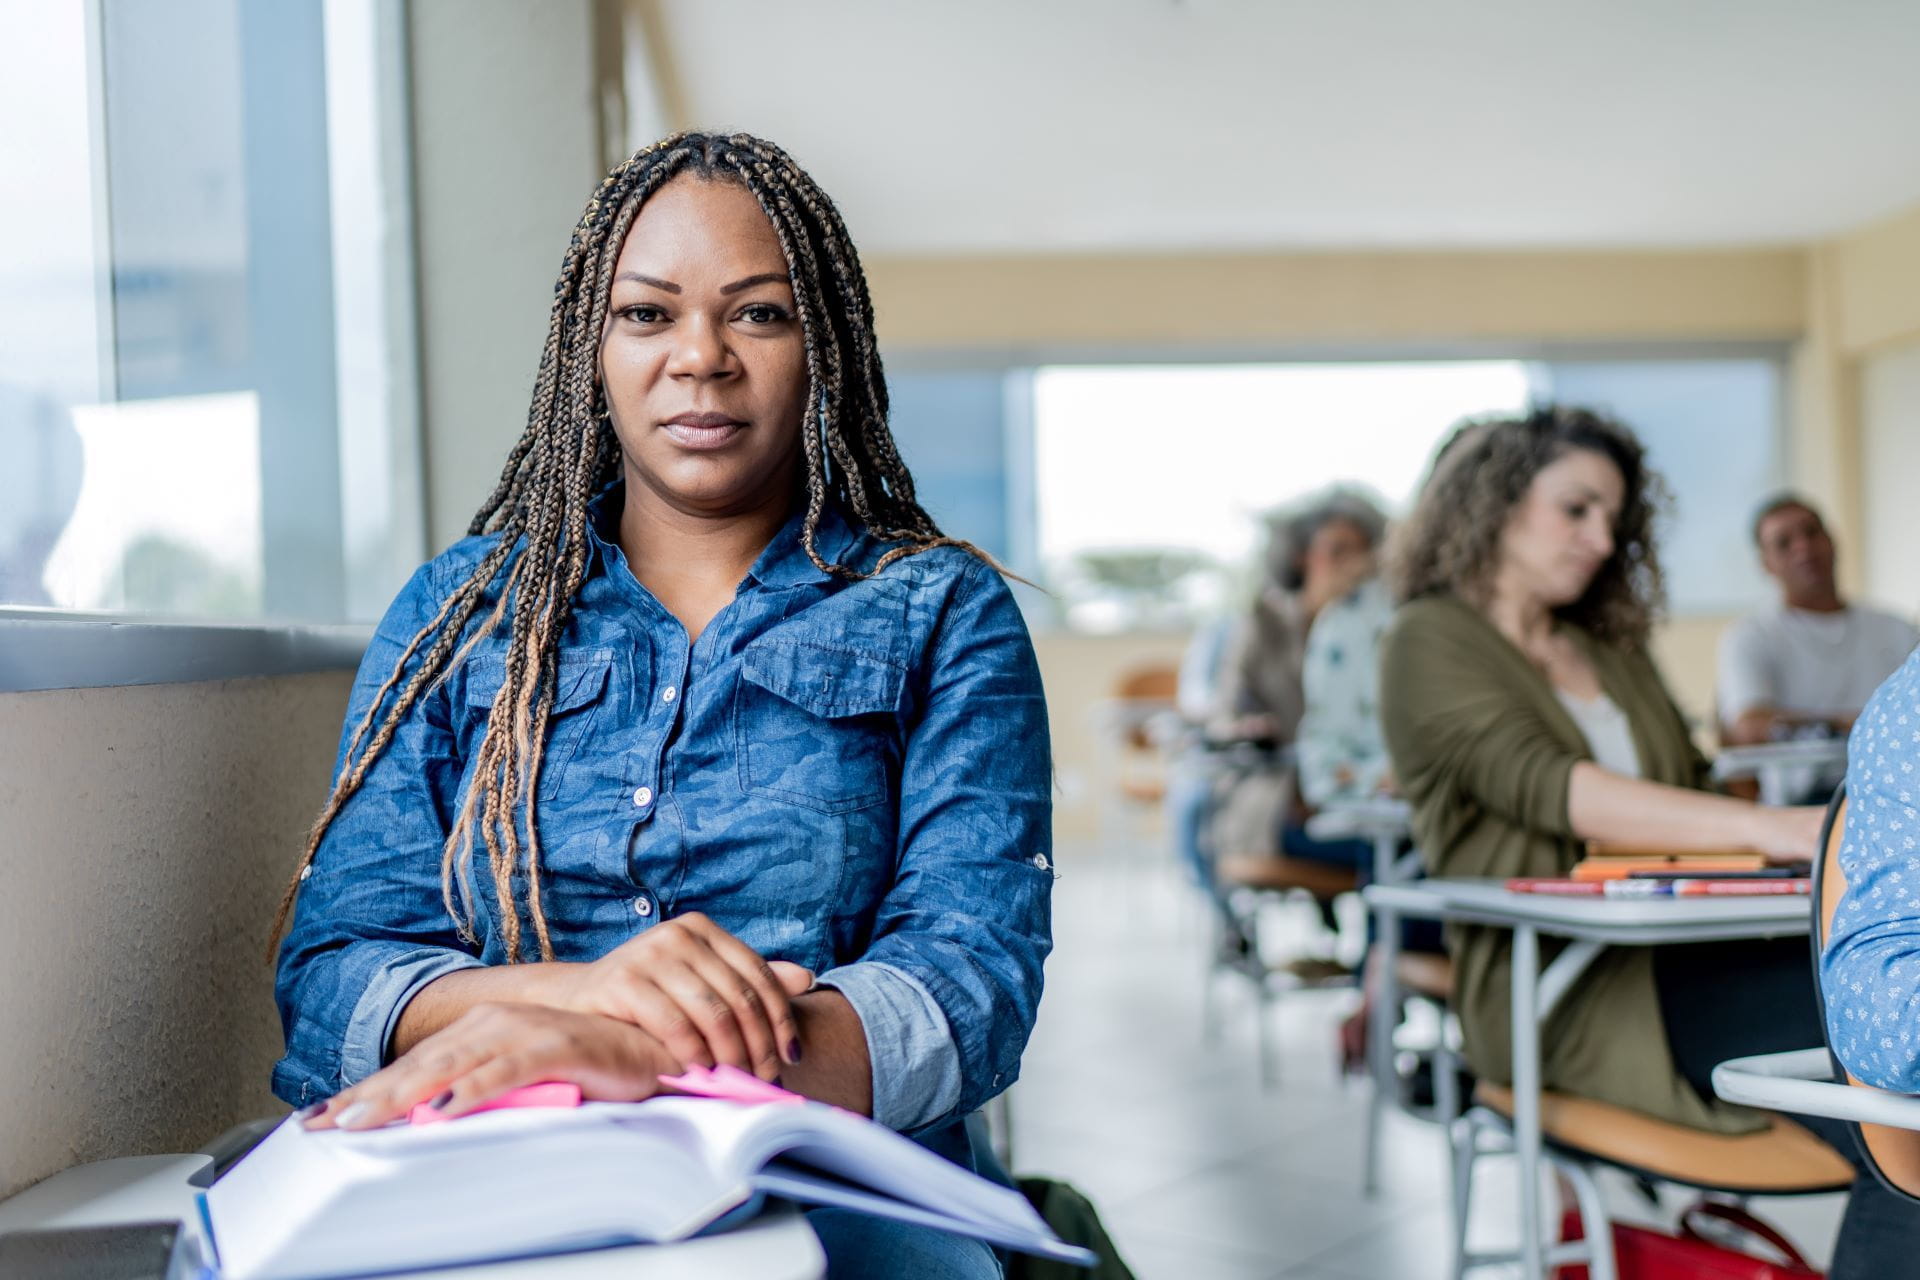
point(145, 835)
point(1890, 436)
point(1863, 317)
point(506, 151)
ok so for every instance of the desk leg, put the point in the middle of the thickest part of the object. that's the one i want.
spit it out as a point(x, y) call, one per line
point(1383, 1016)
point(1526, 1095)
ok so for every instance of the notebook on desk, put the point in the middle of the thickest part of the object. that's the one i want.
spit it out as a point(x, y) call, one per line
point(314, 1205)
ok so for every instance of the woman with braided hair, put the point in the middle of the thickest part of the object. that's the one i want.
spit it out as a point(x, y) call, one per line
point(706, 746)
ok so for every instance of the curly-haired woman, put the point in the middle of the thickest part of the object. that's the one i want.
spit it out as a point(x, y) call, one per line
point(1524, 716)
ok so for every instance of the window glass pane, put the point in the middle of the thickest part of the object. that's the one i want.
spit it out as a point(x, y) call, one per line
point(1151, 479)
point(1712, 428)
point(168, 384)
point(50, 299)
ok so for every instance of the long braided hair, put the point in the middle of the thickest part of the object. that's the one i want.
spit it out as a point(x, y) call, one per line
point(568, 452)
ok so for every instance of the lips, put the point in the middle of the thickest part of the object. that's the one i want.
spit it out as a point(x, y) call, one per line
point(703, 430)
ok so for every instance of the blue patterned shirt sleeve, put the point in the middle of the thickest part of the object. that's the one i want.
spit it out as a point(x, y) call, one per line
point(968, 916)
point(1870, 971)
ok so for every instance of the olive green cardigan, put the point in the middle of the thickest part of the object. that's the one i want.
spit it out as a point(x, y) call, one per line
point(1484, 750)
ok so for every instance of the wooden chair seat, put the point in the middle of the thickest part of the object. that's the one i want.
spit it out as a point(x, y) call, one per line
point(1783, 1159)
point(1323, 880)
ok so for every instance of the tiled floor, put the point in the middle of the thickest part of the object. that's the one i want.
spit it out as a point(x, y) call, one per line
point(1199, 1172)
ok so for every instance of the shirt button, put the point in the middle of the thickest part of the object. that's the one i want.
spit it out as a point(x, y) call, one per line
point(669, 693)
point(306, 872)
point(642, 797)
point(1040, 861)
point(643, 906)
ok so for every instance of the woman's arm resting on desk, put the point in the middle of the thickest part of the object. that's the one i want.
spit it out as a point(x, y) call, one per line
point(1602, 805)
point(493, 1047)
point(701, 992)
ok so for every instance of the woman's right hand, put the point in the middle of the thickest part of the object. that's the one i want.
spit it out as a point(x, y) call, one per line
point(1787, 833)
point(704, 994)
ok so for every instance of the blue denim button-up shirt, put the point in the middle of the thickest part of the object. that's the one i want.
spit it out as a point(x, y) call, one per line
point(849, 775)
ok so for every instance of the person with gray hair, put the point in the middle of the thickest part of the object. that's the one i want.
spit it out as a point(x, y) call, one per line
point(1319, 551)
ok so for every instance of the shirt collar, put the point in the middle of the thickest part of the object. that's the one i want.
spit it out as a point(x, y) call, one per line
point(784, 562)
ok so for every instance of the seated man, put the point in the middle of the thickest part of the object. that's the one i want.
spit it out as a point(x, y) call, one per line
point(1805, 667)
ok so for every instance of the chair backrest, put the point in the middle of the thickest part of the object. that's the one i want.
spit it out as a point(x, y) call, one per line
point(1895, 1153)
point(1139, 694)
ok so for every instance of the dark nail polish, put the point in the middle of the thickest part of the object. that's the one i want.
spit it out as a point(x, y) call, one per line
point(440, 1102)
point(793, 1049)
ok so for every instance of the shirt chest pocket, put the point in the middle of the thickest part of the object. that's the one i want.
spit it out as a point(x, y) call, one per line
point(579, 688)
point(816, 726)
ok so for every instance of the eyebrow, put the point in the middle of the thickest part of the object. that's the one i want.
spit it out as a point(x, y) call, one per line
point(668, 285)
point(765, 277)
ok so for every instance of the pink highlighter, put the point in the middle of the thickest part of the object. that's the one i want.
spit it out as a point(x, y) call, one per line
point(729, 1083)
point(549, 1094)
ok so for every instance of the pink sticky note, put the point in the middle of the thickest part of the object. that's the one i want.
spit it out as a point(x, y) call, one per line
point(550, 1094)
point(730, 1083)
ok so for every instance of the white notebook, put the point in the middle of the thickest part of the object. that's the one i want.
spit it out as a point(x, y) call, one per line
point(316, 1205)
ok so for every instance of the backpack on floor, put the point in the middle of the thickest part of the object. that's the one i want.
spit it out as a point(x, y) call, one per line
point(1643, 1253)
point(1074, 1219)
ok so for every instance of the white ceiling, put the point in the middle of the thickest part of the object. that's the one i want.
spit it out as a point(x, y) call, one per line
point(949, 127)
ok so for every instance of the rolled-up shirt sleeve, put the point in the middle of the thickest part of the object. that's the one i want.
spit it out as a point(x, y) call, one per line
point(968, 919)
point(1870, 969)
point(915, 1062)
point(369, 925)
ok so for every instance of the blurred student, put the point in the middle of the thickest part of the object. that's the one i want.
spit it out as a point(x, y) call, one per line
point(1807, 665)
point(1524, 716)
point(1340, 754)
point(1317, 553)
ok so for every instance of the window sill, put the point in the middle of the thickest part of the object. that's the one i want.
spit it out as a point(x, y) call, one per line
point(47, 649)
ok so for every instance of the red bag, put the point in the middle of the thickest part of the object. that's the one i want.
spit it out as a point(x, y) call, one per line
point(1645, 1254)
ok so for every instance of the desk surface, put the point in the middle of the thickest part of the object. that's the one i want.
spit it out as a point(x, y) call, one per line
point(1371, 818)
point(1621, 920)
point(1745, 761)
point(778, 1245)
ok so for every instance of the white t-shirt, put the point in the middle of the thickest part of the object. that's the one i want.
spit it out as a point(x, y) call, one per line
point(1813, 664)
point(1609, 733)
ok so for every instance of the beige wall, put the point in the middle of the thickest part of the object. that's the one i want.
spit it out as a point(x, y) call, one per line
point(1240, 301)
point(145, 834)
point(1890, 437)
point(1863, 315)
point(506, 129)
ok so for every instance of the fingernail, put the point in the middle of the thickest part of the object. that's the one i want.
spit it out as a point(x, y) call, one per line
point(440, 1102)
point(793, 1049)
point(353, 1115)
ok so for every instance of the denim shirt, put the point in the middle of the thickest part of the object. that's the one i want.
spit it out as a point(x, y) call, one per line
point(849, 775)
point(1870, 970)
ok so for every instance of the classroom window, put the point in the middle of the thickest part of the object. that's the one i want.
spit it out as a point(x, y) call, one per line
point(175, 358)
point(1150, 482)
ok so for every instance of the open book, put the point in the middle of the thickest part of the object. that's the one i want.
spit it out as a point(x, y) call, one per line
point(304, 1205)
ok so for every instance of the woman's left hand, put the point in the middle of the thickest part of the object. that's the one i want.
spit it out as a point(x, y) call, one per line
point(493, 1048)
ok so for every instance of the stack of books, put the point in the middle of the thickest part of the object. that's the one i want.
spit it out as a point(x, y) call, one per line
point(1632, 871)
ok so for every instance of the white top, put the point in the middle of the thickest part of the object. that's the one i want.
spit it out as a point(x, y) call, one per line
point(1608, 733)
point(1814, 664)
point(1339, 751)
